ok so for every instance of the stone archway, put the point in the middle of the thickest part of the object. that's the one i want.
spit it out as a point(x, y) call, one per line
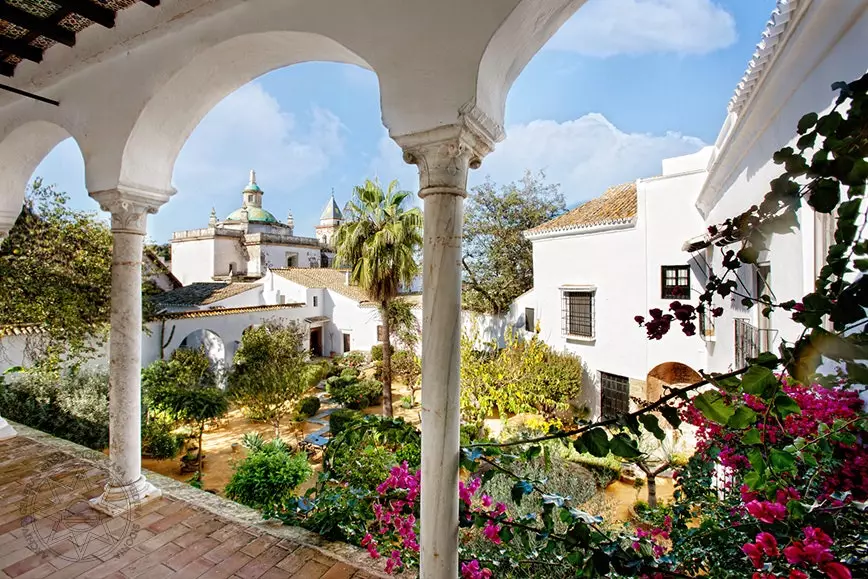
point(668, 374)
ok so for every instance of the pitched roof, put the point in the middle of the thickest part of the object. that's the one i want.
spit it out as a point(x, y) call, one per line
point(331, 210)
point(616, 205)
point(224, 311)
point(202, 293)
point(324, 277)
point(151, 258)
point(766, 51)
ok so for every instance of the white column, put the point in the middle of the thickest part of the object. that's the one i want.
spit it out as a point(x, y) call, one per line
point(7, 220)
point(127, 487)
point(443, 156)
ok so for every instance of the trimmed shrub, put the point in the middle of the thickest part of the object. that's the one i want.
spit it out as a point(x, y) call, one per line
point(71, 405)
point(377, 352)
point(405, 367)
point(356, 394)
point(350, 373)
point(341, 418)
point(308, 406)
point(267, 478)
point(158, 440)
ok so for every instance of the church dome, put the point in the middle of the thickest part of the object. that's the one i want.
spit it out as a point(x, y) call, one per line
point(255, 214)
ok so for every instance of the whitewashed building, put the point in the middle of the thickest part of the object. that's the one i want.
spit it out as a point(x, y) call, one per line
point(249, 241)
point(642, 245)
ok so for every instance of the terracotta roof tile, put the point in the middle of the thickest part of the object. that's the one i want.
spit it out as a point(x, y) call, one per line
point(22, 330)
point(224, 311)
point(616, 205)
point(202, 293)
point(323, 277)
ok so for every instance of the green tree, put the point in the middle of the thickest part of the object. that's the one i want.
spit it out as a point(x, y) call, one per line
point(378, 243)
point(271, 372)
point(55, 271)
point(498, 260)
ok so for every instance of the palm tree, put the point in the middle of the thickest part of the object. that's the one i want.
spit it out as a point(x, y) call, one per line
point(378, 243)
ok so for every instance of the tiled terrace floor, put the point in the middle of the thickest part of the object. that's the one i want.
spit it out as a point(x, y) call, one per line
point(47, 530)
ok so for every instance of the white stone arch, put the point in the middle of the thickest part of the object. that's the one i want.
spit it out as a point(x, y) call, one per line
point(214, 348)
point(170, 116)
point(524, 32)
point(21, 151)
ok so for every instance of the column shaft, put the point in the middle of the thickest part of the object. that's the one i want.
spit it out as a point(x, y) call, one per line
point(6, 431)
point(441, 364)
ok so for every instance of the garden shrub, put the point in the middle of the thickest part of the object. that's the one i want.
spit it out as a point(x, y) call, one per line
point(377, 352)
point(406, 367)
point(354, 359)
point(350, 373)
point(524, 376)
point(69, 404)
point(308, 406)
point(356, 394)
point(158, 439)
point(341, 418)
point(268, 476)
point(362, 453)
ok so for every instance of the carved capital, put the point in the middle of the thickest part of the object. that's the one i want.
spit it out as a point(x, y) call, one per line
point(130, 207)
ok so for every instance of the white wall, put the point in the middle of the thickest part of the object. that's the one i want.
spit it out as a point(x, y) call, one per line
point(18, 350)
point(191, 260)
point(275, 255)
point(827, 47)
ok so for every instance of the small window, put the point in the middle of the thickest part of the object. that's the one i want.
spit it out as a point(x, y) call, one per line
point(346, 343)
point(315, 301)
point(529, 322)
point(381, 333)
point(578, 313)
point(675, 282)
point(292, 260)
point(614, 395)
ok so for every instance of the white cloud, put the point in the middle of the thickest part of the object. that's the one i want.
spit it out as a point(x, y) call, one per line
point(609, 27)
point(248, 129)
point(585, 155)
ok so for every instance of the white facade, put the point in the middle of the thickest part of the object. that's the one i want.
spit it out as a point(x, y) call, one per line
point(807, 47)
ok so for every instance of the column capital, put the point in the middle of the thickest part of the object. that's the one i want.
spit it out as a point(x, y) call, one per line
point(445, 153)
point(130, 206)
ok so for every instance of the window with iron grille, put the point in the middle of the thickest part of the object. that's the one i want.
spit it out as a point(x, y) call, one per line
point(614, 394)
point(529, 322)
point(675, 282)
point(578, 313)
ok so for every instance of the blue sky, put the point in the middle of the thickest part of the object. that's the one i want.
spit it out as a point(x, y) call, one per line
point(624, 84)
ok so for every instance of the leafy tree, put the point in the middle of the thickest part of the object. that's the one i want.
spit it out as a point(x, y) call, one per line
point(378, 243)
point(55, 271)
point(403, 324)
point(498, 260)
point(271, 372)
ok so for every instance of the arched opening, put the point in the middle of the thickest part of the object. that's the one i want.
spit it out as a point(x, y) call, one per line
point(213, 347)
point(669, 374)
point(28, 152)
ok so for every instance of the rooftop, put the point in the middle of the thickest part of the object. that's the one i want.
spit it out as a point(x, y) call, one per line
point(49, 530)
point(202, 293)
point(616, 205)
point(323, 277)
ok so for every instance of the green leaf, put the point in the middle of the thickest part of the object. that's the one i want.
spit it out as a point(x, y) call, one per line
point(597, 442)
point(624, 446)
point(751, 437)
point(768, 360)
point(742, 418)
point(781, 460)
point(753, 480)
point(519, 490)
point(757, 380)
point(807, 122)
point(713, 406)
point(649, 421)
point(671, 416)
point(825, 195)
point(748, 254)
point(784, 406)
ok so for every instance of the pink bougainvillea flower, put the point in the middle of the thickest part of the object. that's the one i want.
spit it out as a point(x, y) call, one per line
point(472, 570)
point(836, 571)
point(766, 512)
point(768, 544)
point(492, 532)
point(797, 574)
point(754, 553)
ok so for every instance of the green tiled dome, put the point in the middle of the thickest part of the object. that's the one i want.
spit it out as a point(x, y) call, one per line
point(253, 214)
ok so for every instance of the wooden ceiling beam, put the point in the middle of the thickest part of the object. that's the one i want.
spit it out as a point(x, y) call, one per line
point(34, 24)
point(20, 49)
point(153, 3)
point(100, 15)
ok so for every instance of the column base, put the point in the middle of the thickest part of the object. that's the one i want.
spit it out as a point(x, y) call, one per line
point(117, 500)
point(6, 431)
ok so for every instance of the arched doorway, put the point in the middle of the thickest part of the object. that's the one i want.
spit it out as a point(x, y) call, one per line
point(668, 374)
point(214, 349)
